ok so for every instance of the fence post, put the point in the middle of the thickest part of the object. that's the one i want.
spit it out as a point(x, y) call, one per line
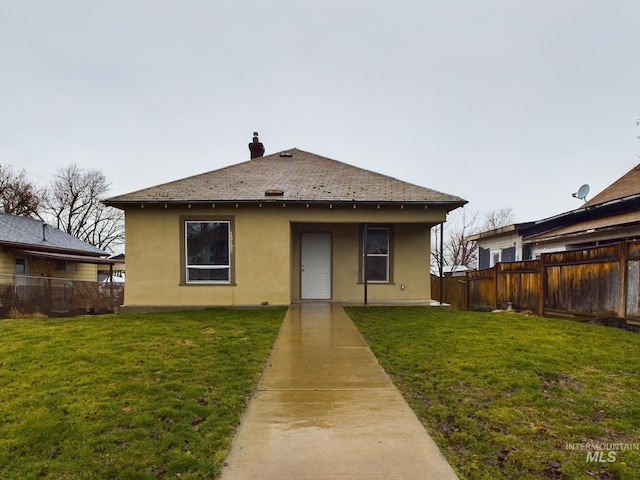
point(543, 281)
point(495, 286)
point(622, 300)
point(466, 290)
point(441, 263)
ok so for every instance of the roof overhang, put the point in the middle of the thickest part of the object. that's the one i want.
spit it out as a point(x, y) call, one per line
point(492, 233)
point(50, 248)
point(280, 201)
point(615, 223)
point(67, 257)
point(508, 229)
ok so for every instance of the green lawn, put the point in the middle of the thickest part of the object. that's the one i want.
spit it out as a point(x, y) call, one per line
point(127, 396)
point(159, 395)
point(506, 396)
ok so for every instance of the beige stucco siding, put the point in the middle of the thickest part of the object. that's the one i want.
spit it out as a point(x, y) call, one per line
point(262, 257)
point(153, 263)
point(260, 252)
point(266, 253)
point(410, 263)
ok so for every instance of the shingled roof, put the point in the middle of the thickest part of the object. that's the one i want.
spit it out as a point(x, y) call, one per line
point(626, 186)
point(289, 176)
point(23, 232)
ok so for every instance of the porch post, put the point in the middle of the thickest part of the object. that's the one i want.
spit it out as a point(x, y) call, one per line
point(364, 259)
point(441, 262)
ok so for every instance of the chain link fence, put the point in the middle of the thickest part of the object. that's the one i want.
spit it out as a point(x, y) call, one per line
point(58, 296)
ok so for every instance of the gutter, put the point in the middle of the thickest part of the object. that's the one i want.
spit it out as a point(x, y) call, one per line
point(52, 249)
point(273, 201)
point(68, 257)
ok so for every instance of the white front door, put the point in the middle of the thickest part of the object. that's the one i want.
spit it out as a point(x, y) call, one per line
point(316, 265)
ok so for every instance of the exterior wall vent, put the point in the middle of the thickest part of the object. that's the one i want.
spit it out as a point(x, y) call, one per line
point(273, 193)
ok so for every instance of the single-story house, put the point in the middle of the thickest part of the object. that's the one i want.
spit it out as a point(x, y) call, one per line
point(115, 273)
point(277, 229)
point(31, 248)
point(502, 245)
point(46, 270)
point(613, 215)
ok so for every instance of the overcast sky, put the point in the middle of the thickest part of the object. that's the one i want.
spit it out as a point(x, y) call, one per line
point(506, 103)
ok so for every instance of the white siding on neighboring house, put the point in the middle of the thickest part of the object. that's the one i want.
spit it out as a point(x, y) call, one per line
point(536, 251)
point(503, 248)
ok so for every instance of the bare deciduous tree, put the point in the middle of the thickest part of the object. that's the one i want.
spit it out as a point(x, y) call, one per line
point(18, 196)
point(74, 205)
point(458, 250)
point(498, 218)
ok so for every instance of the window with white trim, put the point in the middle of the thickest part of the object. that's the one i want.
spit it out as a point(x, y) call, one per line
point(495, 257)
point(207, 251)
point(377, 255)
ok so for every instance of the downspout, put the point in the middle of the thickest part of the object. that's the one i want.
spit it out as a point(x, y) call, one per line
point(364, 259)
point(441, 262)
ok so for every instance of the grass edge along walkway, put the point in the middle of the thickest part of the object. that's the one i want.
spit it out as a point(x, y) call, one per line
point(510, 396)
point(128, 396)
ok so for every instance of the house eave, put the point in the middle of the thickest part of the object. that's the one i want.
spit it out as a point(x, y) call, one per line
point(57, 256)
point(492, 233)
point(450, 205)
point(514, 227)
point(40, 248)
point(621, 229)
point(589, 210)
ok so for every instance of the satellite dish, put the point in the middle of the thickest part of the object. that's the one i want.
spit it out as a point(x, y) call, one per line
point(583, 191)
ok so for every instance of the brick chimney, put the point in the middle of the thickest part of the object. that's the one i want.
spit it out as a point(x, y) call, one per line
point(255, 147)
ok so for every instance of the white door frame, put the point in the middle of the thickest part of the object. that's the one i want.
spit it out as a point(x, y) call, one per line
point(315, 265)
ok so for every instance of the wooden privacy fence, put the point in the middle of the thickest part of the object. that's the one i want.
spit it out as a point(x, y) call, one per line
point(600, 281)
point(455, 291)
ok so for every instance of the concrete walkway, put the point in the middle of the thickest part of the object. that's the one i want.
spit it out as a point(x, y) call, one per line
point(325, 409)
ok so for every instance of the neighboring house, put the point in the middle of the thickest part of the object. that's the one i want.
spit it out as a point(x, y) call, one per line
point(45, 270)
point(283, 228)
point(501, 245)
point(115, 273)
point(31, 248)
point(454, 271)
point(611, 216)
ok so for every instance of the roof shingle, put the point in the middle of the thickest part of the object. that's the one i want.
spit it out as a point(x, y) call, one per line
point(625, 186)
point(301, 176)
point(23, 231)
